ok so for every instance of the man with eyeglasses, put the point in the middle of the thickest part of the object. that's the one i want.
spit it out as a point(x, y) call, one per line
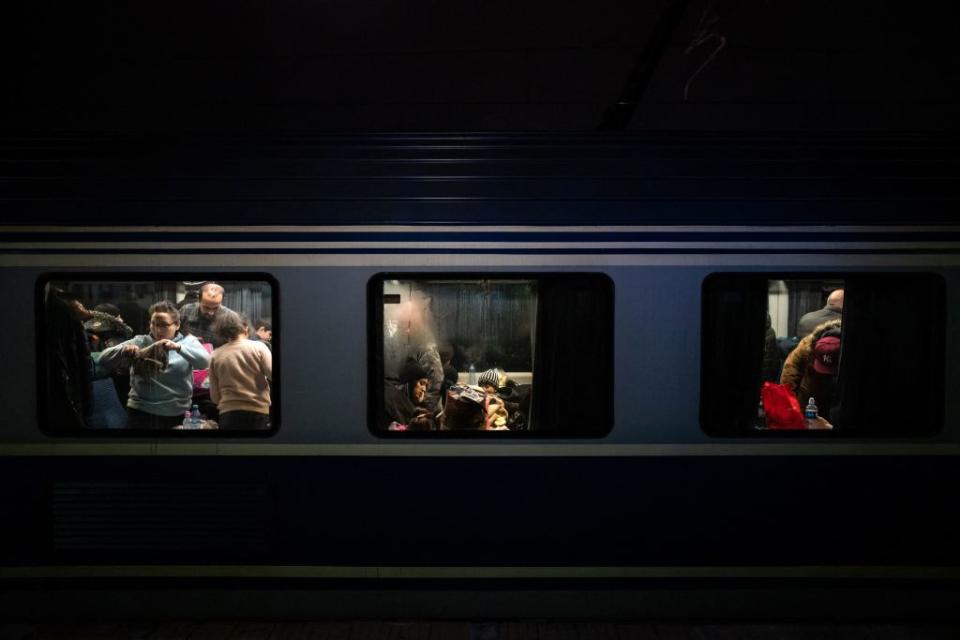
point(202, 317)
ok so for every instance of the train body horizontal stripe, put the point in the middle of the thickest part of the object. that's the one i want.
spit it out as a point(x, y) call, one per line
point(600, 256)
point(476, 228)
point(438, 240)
point(456, 246)
point(374, 236)
point(871, 572)
point(389, 260)
point(506, 449)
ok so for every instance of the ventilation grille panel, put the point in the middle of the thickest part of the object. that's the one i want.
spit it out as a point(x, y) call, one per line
point(169, 516)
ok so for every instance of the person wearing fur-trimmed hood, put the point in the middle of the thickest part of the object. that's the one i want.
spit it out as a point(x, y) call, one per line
point(811, 368)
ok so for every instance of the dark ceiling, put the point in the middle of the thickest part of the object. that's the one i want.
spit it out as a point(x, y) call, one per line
point(479, 65)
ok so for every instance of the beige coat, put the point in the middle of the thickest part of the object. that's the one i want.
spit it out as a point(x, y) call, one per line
point(240, 376)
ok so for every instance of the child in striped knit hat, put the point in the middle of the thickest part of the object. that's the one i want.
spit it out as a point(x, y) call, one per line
point(490, 380)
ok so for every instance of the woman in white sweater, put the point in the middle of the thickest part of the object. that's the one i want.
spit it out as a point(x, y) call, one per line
point(240, 375)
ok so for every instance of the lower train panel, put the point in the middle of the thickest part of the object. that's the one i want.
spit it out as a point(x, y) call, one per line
point(724, 537)
point(718, 511)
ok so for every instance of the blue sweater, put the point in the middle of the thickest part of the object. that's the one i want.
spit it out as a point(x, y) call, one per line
point(170, 392)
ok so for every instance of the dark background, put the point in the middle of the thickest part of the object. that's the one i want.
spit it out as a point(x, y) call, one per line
point(477, 65)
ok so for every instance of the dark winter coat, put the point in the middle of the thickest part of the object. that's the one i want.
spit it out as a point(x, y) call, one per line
point(810, 321)
point(203, 327)
point(69, 368)
point(771, 356)
point(400, 407)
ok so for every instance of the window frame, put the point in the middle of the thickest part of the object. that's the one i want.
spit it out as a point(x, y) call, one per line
point(375, 350)
point(854, 425)
point(43, 417)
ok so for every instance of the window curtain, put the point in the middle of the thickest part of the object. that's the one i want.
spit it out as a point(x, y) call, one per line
point(573, 374)
point(734, 322)
point(892, 358)
point(247, 298)
point(803, 298)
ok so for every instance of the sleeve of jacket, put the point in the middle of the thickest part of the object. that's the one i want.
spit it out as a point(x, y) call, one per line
point(266, 363)
point(193, 352)
point(214, 382)
point(794, 368)
point(99, 371)
point(110, 358)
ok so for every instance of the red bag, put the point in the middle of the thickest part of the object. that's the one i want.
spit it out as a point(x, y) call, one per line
point(781, 407)
point(200, 375)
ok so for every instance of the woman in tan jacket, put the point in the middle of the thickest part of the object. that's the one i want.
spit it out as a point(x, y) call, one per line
point(240, 376)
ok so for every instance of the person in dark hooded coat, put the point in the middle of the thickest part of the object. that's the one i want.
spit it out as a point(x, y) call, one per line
point(832, 311)
point(407, 403)
point(771, 355)
point(69, 380)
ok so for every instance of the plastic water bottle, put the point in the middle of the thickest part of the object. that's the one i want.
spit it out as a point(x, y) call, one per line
point(472, 374)
point(810, 413)
point(187, 420)
point(196, 421)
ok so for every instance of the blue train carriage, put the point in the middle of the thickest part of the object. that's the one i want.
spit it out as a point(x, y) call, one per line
point(509, 376)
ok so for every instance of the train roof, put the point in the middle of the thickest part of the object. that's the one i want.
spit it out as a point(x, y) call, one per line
point(481, 179)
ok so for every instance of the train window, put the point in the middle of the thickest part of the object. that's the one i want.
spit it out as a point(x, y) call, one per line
point(468, 354)
point(183, 354)
point(823, 354)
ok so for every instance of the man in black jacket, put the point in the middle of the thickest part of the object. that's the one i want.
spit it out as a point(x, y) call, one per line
point(202, 317)
point(833, 311)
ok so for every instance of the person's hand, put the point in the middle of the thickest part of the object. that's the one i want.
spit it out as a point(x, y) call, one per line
point(819, 423)
point(169, 345)
point(80, 311)
point(422, 419)
point(131, 350)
